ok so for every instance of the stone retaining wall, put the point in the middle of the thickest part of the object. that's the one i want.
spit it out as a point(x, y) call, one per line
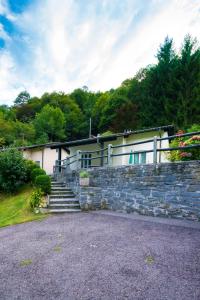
point(169, 189)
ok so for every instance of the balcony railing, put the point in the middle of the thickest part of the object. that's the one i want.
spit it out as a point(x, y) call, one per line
point(104, 156)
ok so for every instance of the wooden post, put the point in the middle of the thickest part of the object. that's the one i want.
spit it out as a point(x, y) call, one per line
point(59, 158)
point(102, 154)
point(155, 150)
point(109, 155)
point(78, 156)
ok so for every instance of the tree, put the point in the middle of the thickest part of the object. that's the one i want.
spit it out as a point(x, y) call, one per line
point(189, 83)
point(50, 121)
point(22, 98)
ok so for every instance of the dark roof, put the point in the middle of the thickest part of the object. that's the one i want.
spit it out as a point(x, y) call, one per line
point(101, 139)
point(48, 145)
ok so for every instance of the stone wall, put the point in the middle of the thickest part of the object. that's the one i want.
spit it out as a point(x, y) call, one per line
point(169, 189)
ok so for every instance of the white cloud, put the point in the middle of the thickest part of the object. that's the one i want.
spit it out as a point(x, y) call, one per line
point(96, 43)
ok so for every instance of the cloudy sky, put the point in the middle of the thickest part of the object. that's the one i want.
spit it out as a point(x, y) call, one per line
point(48, 45)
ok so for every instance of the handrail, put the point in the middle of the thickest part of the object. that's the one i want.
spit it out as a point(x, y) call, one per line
point(179, 147)
point(94, 151)
point(133, 152)
point(178, 135)
point(132, 144)
point(71, 156)
point(91, 158)
point(72, 162)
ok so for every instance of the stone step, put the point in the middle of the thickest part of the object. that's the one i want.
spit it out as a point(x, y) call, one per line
point(58, 185)
point(61, 196)
point(64, 205)
point(64, 210)
point(61, 192)
point(64, 201)
point(60, 188)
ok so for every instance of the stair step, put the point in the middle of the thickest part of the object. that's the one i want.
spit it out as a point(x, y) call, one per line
point(64, 201)
point(56, 196)
point(63, 210)
point(64, 205)
point(62, 192)
point(61, 189)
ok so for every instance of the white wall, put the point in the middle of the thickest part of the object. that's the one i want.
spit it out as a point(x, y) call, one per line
point(45, 156)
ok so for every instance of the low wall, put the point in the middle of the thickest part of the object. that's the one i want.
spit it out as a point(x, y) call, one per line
point(169, 189)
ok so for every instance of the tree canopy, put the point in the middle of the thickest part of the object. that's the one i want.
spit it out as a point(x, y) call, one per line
point(167, 92)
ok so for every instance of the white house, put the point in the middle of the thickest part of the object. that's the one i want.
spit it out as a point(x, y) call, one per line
point(44, 155)
point(92, 149)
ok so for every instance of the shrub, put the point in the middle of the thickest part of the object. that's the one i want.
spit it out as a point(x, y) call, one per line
point(13, 171)
point(84, 174)
point(36, 172)
point(44, 183)
point(36, 198)
point(185, 154)
point(30, 166)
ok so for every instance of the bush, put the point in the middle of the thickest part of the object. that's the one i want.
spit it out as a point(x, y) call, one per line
point(36, 172)
point(13, 171)
point(36, 198)
point(84, 174)
point(30, 166)
point(44, 183)
point(185, 154)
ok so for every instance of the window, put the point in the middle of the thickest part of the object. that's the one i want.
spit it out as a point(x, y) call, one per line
point(37, 162)
point(136, 158)
point(143, 158)
point(86, 163)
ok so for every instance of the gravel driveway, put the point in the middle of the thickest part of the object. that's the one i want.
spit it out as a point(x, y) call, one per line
point(100, 256)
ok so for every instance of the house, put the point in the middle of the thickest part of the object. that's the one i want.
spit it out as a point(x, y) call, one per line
point(44, 155)
point(93, 152)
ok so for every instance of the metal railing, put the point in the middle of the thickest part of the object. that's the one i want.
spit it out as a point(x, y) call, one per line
point(82, 160)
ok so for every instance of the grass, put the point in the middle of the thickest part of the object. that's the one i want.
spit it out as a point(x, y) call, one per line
point(25, 262)
point(57, 249)
point(15, 209)
point(149, 260)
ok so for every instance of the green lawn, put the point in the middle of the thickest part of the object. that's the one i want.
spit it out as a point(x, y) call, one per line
point(15, 209)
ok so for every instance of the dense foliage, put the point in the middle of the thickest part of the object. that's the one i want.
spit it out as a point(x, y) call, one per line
point(161, 94)
point(43, 182)
point(185, 153)
point(13, 170)
point(36, 172)
point(36, 198)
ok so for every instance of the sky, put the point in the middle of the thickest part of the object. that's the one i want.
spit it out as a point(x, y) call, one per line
point(60, 45)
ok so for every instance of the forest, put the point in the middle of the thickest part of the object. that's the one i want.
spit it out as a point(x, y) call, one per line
point(167, 92)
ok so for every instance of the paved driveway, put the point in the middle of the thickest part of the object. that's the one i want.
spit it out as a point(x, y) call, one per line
point(100, 256)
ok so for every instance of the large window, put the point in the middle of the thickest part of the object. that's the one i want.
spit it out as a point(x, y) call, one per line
point(137, 158)
point(87, 162)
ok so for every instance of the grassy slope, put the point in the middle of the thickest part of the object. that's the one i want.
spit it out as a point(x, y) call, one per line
point(15, 209)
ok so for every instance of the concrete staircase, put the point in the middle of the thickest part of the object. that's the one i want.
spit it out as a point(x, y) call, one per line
point(62, 199)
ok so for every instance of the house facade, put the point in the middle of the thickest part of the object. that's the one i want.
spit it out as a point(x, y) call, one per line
point(44, 155)
point(91, 151)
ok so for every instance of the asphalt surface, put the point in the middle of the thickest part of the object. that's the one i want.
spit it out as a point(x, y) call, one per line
point(100, 256)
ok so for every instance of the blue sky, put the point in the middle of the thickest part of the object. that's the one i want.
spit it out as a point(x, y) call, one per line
point(48, 45)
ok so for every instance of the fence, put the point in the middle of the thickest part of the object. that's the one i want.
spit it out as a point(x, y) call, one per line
point(84, 159)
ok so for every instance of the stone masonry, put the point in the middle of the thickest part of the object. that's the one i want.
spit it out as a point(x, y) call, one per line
point(167, 189)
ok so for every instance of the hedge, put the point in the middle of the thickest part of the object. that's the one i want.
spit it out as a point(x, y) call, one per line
point(43, 182)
